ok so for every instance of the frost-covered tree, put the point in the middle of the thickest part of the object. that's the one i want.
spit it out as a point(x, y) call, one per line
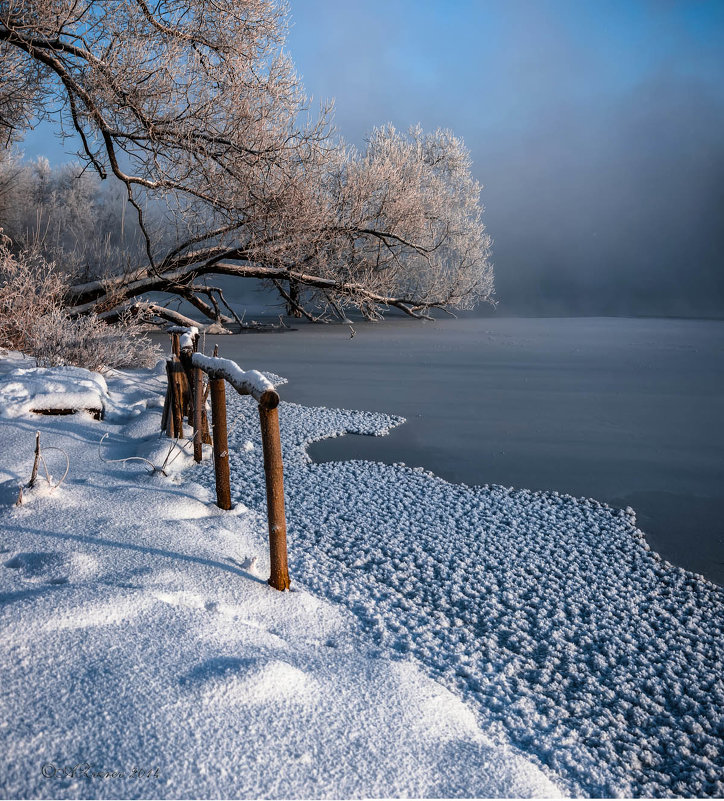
point(67, 215)
point(193, 106)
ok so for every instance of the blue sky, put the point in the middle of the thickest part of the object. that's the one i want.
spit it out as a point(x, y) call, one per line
point(491, 66)
point(596, 128)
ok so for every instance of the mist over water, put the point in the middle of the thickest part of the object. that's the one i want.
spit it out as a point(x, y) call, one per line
point(615, 212)
point(596, 129)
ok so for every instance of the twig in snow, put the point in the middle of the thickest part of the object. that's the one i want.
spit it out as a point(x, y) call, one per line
point(39, 458)
point(34, 473)
point(47, 473)
point(181, 449)
point(154, 469)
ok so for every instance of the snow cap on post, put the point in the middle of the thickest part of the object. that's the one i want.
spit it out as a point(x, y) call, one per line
point(186, 335)
point(249, 382)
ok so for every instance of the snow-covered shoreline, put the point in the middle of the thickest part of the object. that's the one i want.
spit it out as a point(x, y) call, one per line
point(139, 637)
point(136, 623)
point(549, 615)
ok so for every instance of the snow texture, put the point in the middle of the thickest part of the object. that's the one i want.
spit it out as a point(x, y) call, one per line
point(30, 388)
point(186, 335)
point(548, 615)
point(144, 655)
point(245, 381)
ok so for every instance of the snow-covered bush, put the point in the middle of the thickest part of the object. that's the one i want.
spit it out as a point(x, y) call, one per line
point(30, 288)
point(91, 343)
point(34, 321)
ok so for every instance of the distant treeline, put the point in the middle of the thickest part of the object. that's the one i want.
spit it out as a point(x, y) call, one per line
point(69, 216)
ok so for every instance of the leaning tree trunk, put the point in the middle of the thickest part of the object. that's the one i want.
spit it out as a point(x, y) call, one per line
point(293, 304)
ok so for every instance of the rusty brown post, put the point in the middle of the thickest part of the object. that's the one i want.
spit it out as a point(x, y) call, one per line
point(198, 402)
point(175, 345)
point(205, 433)
point(221, 445)
point(187, 383)
point(189, 380)
point(178, 397)
point(274, 471)
point(198, 418)
point(170, 395)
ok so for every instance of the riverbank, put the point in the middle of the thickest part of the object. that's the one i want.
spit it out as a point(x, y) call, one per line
point(144, 655)
point(623, 410)
point(441, 640)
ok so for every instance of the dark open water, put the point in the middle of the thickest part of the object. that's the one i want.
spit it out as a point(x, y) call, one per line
point(627, 411)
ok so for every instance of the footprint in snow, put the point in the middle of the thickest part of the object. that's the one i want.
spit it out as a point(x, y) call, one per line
point(9, 492)
point(218, 667)
point(224, 614)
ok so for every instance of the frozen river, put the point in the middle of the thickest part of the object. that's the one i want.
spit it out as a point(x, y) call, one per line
point(627, 411)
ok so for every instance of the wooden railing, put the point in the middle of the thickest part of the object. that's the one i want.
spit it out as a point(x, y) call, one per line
point(186, 394)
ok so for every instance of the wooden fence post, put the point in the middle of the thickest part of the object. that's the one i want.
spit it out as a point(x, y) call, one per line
point(274, 472)
point(221, 445)
point(198, 417)
point(168, 409)
point(179, 394)
point(205, 433)
point(195, 397)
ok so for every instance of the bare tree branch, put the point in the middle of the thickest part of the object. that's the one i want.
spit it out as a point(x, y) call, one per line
point(193, 106)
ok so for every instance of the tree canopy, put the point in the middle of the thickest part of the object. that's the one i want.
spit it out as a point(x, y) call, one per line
point(195, 108)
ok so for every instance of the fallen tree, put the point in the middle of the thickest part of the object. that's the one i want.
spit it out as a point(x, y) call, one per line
point(193, 107)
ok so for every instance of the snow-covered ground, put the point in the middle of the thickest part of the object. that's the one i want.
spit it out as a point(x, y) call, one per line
point(548, 615)
point(136, 628)
point(144, 655)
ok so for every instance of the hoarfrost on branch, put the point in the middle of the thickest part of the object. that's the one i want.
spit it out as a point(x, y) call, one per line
point(195, 108)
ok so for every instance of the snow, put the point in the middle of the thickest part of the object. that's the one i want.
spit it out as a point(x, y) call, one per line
point(440, 639)
point(550, 616)
point(24, 389)
point(144, 654)
point(250, 382)
point(187, 335)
